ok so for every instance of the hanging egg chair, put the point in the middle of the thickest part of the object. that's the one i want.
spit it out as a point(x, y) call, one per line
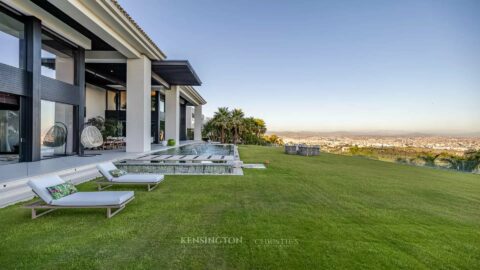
point(91, 137)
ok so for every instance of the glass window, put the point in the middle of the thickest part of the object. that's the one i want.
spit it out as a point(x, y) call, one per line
point(153, 96)
point(57, 58)
point(162, 131)
point(111, 100)
point(12, 37)
point(9, 128)
point(161, 114)
point(162, 106)
point(123, 100)
point(48, 64)
point(56, 129)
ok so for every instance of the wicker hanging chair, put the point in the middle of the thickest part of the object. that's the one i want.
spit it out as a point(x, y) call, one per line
point(56, 136)
point(91, 137)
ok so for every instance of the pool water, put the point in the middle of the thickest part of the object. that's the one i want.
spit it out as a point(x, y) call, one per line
point(200, 149)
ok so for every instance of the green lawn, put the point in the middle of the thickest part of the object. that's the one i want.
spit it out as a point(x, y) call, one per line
point(331, 211)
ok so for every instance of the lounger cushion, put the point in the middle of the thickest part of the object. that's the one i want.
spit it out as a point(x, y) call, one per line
point(117, 173)
point(138, 178)
point(62, 190)
point(105, 169)
point(40, 184)
point(100, 198)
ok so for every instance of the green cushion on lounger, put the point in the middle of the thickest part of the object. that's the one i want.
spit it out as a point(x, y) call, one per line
point(117, 172)
point(62, 190)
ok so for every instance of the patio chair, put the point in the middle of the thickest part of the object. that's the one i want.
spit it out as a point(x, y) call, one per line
point(106, 199)
point(150, 180)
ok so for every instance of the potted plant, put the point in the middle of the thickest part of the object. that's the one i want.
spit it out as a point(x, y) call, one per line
point(171, 142)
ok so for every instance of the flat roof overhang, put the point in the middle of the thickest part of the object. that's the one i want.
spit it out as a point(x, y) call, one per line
point(176, 72)
point(172, 72)
point(114, 76)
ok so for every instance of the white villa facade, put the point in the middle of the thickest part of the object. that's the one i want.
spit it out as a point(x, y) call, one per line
point(67, 61)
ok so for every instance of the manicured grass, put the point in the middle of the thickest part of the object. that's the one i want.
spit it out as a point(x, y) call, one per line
point(332, 212)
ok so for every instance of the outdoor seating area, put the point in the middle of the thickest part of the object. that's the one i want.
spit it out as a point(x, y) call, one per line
point(302, 149)
point(107, 169)
point(113, 143)
point(110, 143)
point(42, 187)
point(55, 193)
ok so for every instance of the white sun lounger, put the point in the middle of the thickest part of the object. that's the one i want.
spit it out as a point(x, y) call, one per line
point(150, 180)
point(105, 199)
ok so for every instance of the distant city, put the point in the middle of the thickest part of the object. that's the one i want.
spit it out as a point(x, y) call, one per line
point(344, 140)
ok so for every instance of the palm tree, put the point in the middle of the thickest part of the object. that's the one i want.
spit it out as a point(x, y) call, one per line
point(209, 130)
point(221, 119)
point(260, 127)
point(237, 116)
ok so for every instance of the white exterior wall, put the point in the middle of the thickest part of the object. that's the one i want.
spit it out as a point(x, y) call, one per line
point(139, 101)
point(94, 101)
point(172, 113)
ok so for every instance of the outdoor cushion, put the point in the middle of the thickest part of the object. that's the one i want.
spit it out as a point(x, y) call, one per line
point(100, 198)
point(61, 190)
point(139, 178)
point(105, 169)
point(117, 173)
point(40, 184)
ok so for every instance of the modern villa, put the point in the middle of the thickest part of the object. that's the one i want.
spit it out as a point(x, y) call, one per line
point(65, 62)
point(69, 61)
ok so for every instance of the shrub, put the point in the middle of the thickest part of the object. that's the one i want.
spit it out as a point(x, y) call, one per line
point(171, 142)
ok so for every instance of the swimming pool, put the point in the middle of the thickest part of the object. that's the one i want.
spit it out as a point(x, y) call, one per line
point(200, 149)
point(199, 158)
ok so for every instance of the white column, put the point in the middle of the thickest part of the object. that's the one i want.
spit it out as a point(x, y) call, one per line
point(139, 107)
point(197, 133)
point(65, 72)
point(188, 117)
point(172, 113)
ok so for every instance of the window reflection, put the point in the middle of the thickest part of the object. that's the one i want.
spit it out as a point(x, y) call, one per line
point(9, 128)
point(57, 58)
point(56, 129)
point(12, 36)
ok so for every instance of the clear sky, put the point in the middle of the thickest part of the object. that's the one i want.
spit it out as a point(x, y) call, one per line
point(329, 65)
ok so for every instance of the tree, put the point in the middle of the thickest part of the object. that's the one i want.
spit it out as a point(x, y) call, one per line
point(237, 122)
point(468, 162)
point(221, 119)
point(260, 127)
point(233, 127)
point(429, 159)
point(274, 139)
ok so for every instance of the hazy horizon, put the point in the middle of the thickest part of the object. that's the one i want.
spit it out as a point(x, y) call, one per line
point(329, 65)
point(376, 133)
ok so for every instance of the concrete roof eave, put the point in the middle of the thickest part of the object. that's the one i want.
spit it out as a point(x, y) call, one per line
point(191, 95)
point(107, 20)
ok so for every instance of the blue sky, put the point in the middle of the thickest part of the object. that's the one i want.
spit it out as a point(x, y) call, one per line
point(329, 65)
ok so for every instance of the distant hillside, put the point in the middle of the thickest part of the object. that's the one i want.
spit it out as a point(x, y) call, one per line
point(300, 134)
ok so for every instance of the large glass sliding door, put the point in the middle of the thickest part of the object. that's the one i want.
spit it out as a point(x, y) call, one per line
point(56, 129)
point(12, 61)
point(9, 128)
